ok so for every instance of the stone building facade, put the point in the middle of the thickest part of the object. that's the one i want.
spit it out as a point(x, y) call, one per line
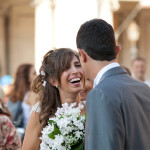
point(29, 28)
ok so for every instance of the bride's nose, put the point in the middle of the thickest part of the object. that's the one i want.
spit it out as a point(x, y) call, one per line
point(75, 70)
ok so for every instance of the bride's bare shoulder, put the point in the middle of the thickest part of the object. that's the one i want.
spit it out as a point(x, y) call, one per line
point(33, 131)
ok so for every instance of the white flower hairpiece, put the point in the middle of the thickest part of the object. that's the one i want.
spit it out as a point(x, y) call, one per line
point(44, 83)
point(42, 73)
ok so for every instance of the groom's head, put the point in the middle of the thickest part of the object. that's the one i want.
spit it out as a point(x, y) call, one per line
point(95, 39)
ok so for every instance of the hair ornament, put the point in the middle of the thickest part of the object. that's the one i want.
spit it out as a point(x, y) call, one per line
point(44, 83)
point(42, 73)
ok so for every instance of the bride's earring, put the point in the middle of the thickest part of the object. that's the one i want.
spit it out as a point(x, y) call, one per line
point(56, 86)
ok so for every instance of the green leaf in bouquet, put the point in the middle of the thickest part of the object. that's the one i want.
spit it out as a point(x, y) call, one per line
point(85, 115)
point(51, 122)
point(51, 135)
point(79, 146)
point(55, 132)
point(61, 117)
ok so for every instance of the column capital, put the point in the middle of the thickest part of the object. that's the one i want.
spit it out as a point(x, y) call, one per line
point(5, 5)
point(35, 3)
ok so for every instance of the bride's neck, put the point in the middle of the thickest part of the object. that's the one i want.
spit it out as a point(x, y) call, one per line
point(68, 98)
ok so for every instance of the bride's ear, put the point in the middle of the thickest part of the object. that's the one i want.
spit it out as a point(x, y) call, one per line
point(82, 54)
point(54, 82)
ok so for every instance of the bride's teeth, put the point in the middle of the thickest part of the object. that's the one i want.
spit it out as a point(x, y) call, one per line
point(75, 79)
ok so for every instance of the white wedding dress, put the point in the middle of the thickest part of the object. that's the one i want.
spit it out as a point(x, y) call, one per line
point(36, 108)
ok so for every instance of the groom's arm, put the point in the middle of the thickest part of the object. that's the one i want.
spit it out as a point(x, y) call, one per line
point(105, 127)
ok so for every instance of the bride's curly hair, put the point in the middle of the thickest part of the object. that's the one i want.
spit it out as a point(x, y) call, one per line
point(53, 64)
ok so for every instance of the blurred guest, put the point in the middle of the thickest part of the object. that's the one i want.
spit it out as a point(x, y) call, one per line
point(29, 98)
point(6, 83)
point(9, 138)
point(88, 85)
point(29, 101)
point(139, 69)
point(18, 97)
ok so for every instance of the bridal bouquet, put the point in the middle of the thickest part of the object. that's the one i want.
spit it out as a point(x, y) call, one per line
point(66, 130)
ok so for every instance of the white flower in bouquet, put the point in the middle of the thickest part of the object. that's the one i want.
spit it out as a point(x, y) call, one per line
point(66, 130)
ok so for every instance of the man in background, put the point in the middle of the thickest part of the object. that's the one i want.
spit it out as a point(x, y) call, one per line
point(139, 69)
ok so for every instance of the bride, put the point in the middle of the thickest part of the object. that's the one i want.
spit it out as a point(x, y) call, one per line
point(59, 81)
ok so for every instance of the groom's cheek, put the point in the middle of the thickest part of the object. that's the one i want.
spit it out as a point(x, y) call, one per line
point(80, 60)
point(82, 64)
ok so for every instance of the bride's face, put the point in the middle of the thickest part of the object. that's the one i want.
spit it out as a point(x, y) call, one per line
point(71, 79)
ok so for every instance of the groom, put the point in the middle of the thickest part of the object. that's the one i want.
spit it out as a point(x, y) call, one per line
point(118, 107)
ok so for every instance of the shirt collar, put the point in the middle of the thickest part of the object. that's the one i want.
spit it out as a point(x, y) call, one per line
point(102, 71)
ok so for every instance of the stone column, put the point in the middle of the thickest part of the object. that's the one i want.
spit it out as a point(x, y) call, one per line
point(57, 23)
point(3, 60)
point(106, 8)
point(69, 15)
point(43, 29)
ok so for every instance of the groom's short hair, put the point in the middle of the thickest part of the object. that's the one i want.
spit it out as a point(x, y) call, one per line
point(96, 38)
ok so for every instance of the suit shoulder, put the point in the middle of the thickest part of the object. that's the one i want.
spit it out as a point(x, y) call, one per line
point(120, 83)
point(99, 93)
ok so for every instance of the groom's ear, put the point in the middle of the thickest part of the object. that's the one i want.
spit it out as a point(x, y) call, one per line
point(117, 49)
point(82, 54)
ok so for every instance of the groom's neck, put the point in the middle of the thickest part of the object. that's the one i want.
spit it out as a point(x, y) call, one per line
point(96, 66)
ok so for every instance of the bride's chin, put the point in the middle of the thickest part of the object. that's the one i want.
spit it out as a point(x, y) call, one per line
point(69, 101)
point(77, 89)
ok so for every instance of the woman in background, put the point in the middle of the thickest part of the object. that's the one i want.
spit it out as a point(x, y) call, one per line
point(17, 102)
point(88, 85)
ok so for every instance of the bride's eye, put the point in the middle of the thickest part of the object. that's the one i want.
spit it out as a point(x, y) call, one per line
point(78, 65)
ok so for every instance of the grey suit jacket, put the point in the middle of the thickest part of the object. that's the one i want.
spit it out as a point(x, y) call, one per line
point(118, 113)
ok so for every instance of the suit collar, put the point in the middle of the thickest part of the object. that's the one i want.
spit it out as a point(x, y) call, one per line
point(102, 72)
point(112, 72)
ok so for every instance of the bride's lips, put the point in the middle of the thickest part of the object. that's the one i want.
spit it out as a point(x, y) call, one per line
point(75, 81)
